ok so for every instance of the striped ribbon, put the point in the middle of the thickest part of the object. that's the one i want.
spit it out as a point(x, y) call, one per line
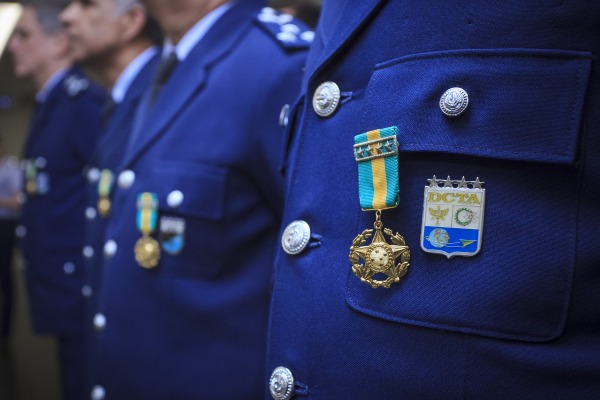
point(376, 153)
point(105, 183)
point(147, 215)
point(30, 170)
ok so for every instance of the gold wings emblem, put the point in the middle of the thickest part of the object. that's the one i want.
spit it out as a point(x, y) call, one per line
point(438, 214)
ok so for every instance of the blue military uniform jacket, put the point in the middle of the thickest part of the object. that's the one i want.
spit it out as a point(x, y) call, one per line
point(521, 318)
point(106, 158)
point(208, 148)
point(61, 138)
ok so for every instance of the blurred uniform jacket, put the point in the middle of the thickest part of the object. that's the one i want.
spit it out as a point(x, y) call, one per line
point(521, 319)
point(62, 135)
point(208, 148)
point(107, 156)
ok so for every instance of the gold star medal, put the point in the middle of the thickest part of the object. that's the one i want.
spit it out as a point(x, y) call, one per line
point(105, 185)
point(147, 249)
point(376, 153)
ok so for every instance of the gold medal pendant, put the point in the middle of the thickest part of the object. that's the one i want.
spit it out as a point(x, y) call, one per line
point(104, 207)
point(147, 252)
point(376, 153)
point(105, 184)
point(31, 187)
point(147, 249)
point(379, 257)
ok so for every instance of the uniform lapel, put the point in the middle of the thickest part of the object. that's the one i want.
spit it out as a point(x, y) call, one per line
point(188, 78)
point(114, 136)
point(41, 114)
point(352, 16)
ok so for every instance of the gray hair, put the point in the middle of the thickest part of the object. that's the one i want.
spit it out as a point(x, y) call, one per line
point(123, 5)
point(47, 12)
point(151, 29)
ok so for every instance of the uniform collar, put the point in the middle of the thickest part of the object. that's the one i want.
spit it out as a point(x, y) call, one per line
point(197, 32)
point(130, 72)
point(50, 84)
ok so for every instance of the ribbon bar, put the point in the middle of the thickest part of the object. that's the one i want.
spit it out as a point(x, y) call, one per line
point(377, 148)
point(147, 204)
point(376, 153)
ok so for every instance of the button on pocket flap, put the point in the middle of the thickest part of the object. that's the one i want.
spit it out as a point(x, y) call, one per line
point(192, 190)
point(516, 104)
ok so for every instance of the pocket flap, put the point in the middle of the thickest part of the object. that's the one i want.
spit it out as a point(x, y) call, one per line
point(523, 104)
point(202, 190)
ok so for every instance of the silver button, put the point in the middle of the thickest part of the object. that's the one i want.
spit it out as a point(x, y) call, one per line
point(284, 115)
point(90, 213)
point(41, 162)
point(295, 237)
point(93, 175)
point(21, 231)
point(86, 291)
point(286, 37)
point(308, 36)
point(281, 384)
point(454, 101)
point(326, 98)
point(99, 321)
point(291, 28)
point(98, 393)
point(175, 198)
point(284, 19)
point(88, 252)
point(69, 268)
point(126, 179)
point(110, 248)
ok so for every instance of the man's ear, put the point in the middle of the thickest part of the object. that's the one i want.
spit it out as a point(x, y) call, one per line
point(133, 22)
point(60, 45)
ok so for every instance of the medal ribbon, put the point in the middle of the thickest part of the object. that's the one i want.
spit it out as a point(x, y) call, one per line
point(147, 215)
point(105, 183)
point(30, 170)
point(376, 153)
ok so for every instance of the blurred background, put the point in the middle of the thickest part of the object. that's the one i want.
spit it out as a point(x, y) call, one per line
point(27, 361)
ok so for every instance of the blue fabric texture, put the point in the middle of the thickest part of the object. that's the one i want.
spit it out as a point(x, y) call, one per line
point(521, 318)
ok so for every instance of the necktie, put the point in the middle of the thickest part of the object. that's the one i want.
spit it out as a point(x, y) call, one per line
point(164, 70)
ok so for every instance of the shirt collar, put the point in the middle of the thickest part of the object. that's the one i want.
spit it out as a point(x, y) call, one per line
point(119, 90)
point(50, 84)
point(193, 36)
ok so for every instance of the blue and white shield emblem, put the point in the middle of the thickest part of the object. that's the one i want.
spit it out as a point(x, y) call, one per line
point(172, 234)
point(453, 217)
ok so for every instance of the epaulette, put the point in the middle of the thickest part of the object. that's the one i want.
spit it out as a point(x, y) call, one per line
point(75, 84)
point(288, 31)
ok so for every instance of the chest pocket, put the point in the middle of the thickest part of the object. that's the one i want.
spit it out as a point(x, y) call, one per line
point(519, 134)
point(191, 202)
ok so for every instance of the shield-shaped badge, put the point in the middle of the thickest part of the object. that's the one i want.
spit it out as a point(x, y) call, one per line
point(172, 234)
point(453, 217)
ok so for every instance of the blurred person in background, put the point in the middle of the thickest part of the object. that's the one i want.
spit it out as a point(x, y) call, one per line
point(10, 187)
point(183, 302)
point(62, 133)
point(117, 40)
